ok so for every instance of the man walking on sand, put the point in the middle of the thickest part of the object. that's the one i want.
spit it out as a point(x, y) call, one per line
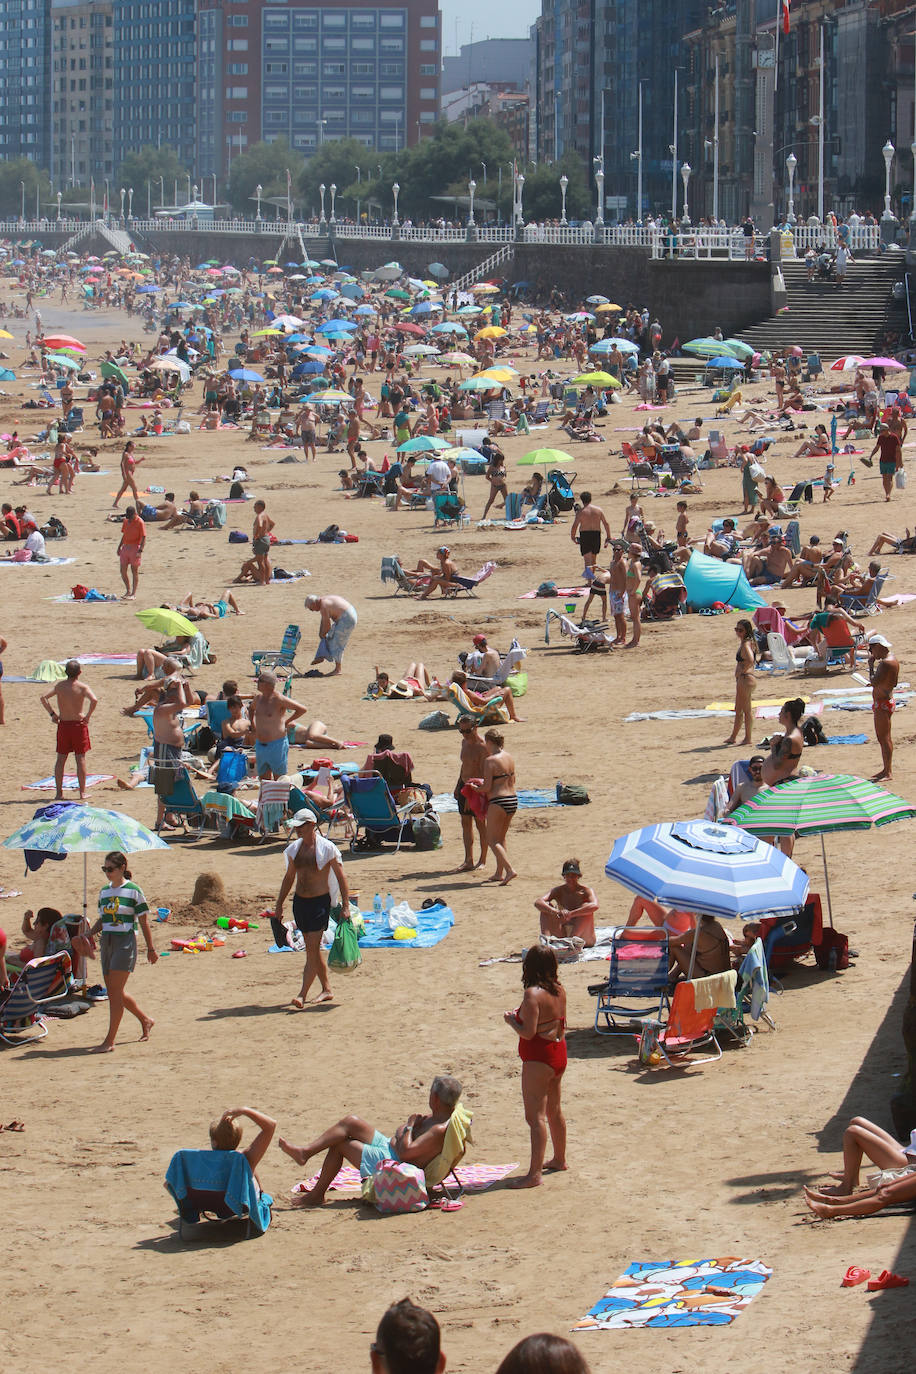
point(260, 543)
point(586, 529)
point(71, 697)
point(338, 621)
point(884, 671)
point(314, 870)
point(271, 715)
point(473, 757)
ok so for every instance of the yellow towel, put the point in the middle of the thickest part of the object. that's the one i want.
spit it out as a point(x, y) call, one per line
point(715, 991)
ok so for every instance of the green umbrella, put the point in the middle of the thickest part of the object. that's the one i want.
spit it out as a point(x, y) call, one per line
point(603, 379)
point(397, 294)
point(112, 370)
point(708, 348)
point(740, 348)
point(544, 455)
point(166, 622)
point(62, 360)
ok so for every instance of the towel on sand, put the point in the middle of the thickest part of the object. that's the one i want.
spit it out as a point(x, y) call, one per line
point(676, 1293)
point(70, 782)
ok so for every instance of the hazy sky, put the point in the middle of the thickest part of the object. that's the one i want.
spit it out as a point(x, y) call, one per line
point(475, 19)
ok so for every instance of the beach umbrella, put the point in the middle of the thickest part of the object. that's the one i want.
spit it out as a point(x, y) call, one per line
point(420, 351)
point(170, 362)
point(578, 317)
point(5, 334)
point(891, 364)
point(332, 397)
point(469, 310)
point(740, 349)
point(449, 327)
point(490, 331)
point(608, 308)
point(258, 333)
point(707, 348)
point(438, 270)
point(821, 805)
point(596, 300)
point(848, 363)
point(711, 869)
point(410, 329)
point(458, 359)
point(352, 291)
point(148, 290)
point(485, 288)
point(596, 379)
point(481, 384)
point(390, 272)
point(74, 828)
point(107, 370)
point(556, 456)
point(397, 293)
point(245, 374)
point(424, 443)
point(70, 364)
point(725, 364)
point(366, 310)
point(62, 341)
point(307, 369)
point(287, 322)
point(608, 346)
point(166, 622)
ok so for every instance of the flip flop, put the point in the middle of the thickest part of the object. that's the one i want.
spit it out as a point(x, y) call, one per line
point(854, 1276)
point(20, 1126)
point(887, 1280)
point(239, 954)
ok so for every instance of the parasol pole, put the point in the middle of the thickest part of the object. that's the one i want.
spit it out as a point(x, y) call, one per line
point(693, 947)
point(826, 881)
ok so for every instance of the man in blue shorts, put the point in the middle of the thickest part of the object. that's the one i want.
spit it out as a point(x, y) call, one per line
point(271, 716)
point(417, 1142)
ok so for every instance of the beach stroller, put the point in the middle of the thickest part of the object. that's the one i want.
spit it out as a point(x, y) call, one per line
point(374, 812)
point(560, 495)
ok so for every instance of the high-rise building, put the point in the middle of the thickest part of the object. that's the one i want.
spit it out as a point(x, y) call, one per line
point(25, 85)
point(155, 58)
point(82, 91)
point(314, 73)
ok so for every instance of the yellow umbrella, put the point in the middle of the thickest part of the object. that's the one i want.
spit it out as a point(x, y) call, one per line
point(485, 289)
point(4, 334)
point(607, 309)
point(498, 374)
point(259, 332)
point(492, 331)
point(596, 379)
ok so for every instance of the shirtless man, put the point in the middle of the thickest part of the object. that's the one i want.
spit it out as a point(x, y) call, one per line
point(473, 757)
point(804, 569)
point(354, 1141)
point(617, 590)
point(338, 621)
point(314, 865)
point(712, 951)
point(71, 697)
point(260, 543)
point(568, 910)
point(768, 569)
point(883, 671)
point(586, 529)
point(168, 738)
point(165, 511)
point(271, 715)
point(484, 661)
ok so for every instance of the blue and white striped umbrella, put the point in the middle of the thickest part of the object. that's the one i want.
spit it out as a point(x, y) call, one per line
point(716, 870)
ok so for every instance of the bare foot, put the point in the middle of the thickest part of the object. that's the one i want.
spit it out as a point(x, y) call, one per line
point(820, 1209)
point(494, 878)
point(526, 1181)
point(730, 740)
point(326, 996)
point(508, 878)
point(297, 1002)
point(295, 1152)
point(104, 1048)
point(556, 1166)
point(311, 1199)
point(147, 1024)
point(125, 787)
point(466, 867)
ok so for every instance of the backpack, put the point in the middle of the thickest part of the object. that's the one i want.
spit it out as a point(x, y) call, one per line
point(833, 951)
point(572, 794)
point(54, 529)
point(79, 592)
point(547, 589)
point(813, 731)
point(238, 537)
point(330, 535)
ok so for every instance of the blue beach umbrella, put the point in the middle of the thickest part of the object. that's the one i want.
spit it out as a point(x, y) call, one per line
point(245, 374)
point(726, 364)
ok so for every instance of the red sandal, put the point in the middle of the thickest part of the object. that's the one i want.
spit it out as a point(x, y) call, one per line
point(887, 1280)
point(854, 1276)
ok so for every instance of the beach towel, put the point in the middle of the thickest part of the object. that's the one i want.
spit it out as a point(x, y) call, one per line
point(770, 711)
point(125, 660)
point(560, 591)
point(47, 563)
point(290, 577)
point(528, 799)
point(432, 925)
point(70, 782)
point(474, 1178)
point(666, 1293)
point(218, 1171)
point(718, 990)
point(847, 739)
point(686, 713)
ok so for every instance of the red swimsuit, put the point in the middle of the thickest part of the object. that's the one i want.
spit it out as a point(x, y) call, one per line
point(541, 1051)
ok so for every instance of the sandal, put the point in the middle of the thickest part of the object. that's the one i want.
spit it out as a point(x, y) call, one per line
point(854, 1276)
point(20, 1126)
point(884, 1280)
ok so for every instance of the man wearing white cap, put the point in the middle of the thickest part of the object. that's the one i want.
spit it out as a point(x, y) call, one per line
point(314, 866)
point(883, 672)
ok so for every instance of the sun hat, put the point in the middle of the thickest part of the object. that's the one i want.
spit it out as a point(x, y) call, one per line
point(383, 744)
point(400, 689)
point(480, 639)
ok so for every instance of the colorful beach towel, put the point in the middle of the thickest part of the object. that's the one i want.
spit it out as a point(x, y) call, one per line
point(847, 739)
point(474, 1178)
point(70, 782)
point(560, 591)
point(707, 1292)
point(431, 925)
point(120, 660)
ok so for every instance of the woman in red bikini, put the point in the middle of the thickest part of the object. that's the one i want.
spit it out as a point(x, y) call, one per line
point(540, 1024)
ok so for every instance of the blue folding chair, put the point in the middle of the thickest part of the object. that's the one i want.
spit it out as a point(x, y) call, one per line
point(216, 1186)
point(374, 812)
point(217, 713)
point(40, 982)
point(280, 660)
point(637, 982)
point(447, 508)
point(184, 802)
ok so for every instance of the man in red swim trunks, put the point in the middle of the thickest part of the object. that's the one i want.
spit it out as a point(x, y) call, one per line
point(884, 672)
point(75, 704)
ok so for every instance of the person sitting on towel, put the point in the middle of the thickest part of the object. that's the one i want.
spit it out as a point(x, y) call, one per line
point(568, 910)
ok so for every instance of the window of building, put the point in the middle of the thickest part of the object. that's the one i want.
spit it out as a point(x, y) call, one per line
point(427, 93)
point(305, 68)
point(236, 92)
point(237, 21)
point(305, 45)
point(362, 92)
point(391, 68)
point(274, 93)
point(334, 44)
point(234, 69)
point(335, 93)
point(276, 44)
point(305, 21)
point(362, 19)
point(362, 44)
point(237, 45)
point(429, 45)
point(391, 93)
point(428, 69)
point(333, 19)
point(335, 116)
point(428, 21)
point(362, 116)
point(275, 20)
point(237, 117)
point(334, 69)
point(391, 44)
point(305, 92)
point(427, 116)
point(391, 19)
point(276, 68)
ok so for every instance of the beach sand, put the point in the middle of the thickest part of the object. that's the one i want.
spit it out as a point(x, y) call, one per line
point(663, 1165)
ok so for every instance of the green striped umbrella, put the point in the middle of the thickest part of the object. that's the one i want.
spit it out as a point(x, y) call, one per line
point(819, 805)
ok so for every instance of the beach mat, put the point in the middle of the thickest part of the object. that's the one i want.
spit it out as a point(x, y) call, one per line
point(528, 799)
point(91, 660)
point(847, 739)
point(667, 1293)
point(764, 701)
point(48, 563)
point(560, 592)
point(431, 925)
point(70, 782)
point(771, 712)
point(474, 1178)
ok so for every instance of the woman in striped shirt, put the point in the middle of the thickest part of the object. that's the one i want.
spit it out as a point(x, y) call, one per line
point(122, 906)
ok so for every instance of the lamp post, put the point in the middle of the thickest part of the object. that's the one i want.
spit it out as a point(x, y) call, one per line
point(59, 199)
point(92, 199)
point(519, 189)
point(887, 152)
point(213, 175)
point(123, 194)
point(564, 182)
point(321, 123)
point(359, 182)
point(258, 193)
point(161, 193)
point(472, 187)
point(22, 215)
point(395, 191)
point(333, 198)
point(791, 164)
point(149, 200)
point(599, 182)
point(130, 201)
point(686, 169)
point(321, 189)
point(484, 166)
point(108, 199)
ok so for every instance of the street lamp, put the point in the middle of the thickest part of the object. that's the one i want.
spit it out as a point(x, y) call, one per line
point(599, 182)
point(359, 182)
point(686, 169)
point(123, 194)
point(887, 152)
point(395, 191)
point(484, 166)
point(108, 199)
point(258, 193)
point(321, 194)
point(564, 182)
point(913, 151)
point(472, 187)
point(130, 202)
point(59, 199)
point(333, 198)
point(188, 175)
point(161, 194)
point(791, 164)
point(321, 123)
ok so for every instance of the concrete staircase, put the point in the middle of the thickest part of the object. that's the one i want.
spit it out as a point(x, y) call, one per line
point(832, 320)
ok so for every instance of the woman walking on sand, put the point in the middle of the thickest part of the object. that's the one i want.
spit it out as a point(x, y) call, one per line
point(122, 906)
point(498, 786)
point(540, 1024)
point(745, 681)
point(129, 461)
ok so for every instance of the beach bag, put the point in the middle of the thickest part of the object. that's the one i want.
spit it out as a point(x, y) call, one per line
point(547, 589)
point(756, 472)
point(329, 535)
point(426, 832)
point(395, 1188)
point(236, 492)
point(238, 537)
point(345, 953)
point(436, 720)
point(216, 514)
point(900, 478)
point(572, 794)
point(649, 1052)
point(231, 771)
point(833, 951)
point(79, 592)
point(22, 556)
point(813, 731)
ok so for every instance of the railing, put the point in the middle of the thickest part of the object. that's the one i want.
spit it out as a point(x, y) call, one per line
point(866, 238)
point(909, 306)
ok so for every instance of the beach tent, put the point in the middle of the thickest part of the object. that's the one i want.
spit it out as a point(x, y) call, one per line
point(709, 580)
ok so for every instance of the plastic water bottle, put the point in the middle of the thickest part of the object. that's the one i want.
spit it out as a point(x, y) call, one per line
point(377, 905)
point(389, 904)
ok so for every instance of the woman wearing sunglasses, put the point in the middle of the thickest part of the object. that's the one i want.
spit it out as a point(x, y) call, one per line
point(122, 906)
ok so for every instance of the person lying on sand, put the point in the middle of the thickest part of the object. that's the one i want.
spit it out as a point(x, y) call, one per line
point(353, 1140)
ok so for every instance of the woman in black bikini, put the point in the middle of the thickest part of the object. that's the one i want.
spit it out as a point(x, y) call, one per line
point(498, 786)
point(745, 680)
point(785, 755)
point(540, 1024)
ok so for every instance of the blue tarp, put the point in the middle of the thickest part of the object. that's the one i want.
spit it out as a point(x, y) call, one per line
point(432, 925)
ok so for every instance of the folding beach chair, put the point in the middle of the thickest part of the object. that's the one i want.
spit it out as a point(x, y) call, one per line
point(217, 714)
point(492, 712)
point(374, 812)
point(636, 987)
point(454, 1147)
point(184, 802)
point(447, 508)
point(540, 413)
point(393, 572)
point(508, 667)
point(864, 605)
point(282, 659)
point(467, 586)
point(786, 660)
point(233, 818)
point(273, 805)
point(41, 982)
point(326, 816)
point(687, 1030)
point(216, 1186)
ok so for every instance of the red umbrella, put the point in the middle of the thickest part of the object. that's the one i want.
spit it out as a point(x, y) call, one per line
point(410, 329)
point(63, 341)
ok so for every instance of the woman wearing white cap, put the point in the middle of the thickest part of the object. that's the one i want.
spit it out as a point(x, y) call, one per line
point(314, 866)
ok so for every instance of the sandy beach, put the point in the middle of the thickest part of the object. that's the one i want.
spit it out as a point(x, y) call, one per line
point(663, 1165)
